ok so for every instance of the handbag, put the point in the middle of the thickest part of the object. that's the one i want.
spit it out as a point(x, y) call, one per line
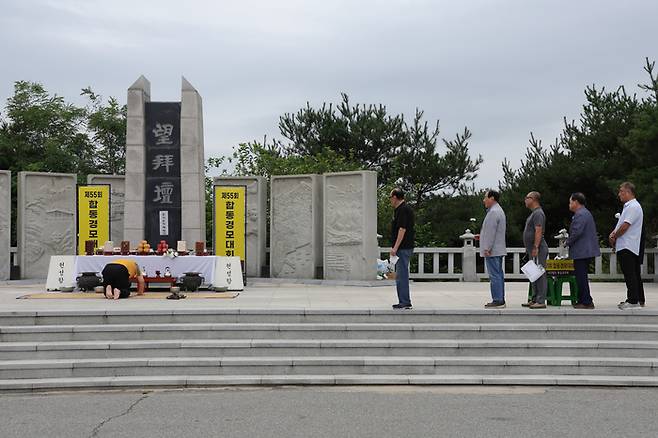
point(533, 271)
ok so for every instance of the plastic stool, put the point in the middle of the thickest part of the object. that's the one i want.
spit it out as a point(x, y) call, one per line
point(555, 289)
point(550, 292)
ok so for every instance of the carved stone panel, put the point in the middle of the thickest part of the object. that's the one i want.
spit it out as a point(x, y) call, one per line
point(350, 226)
point(117, 201)
point(256, 218)
point(46, 220)
point(5, 223)
point(295, 226)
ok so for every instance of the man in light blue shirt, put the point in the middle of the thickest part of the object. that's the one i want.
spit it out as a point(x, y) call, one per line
point(492, 247)
point(626, 238)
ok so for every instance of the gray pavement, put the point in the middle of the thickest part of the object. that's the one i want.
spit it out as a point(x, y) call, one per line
point(265, 294)
point(368, 411)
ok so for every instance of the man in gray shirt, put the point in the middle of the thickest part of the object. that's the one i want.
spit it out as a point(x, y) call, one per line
point(536, 248)
point(492, 247)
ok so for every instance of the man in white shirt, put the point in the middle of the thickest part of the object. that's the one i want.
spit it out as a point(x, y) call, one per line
point(626, 239)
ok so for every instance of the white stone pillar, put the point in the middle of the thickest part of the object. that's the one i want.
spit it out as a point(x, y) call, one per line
point(296, 226)
point(193, 214)
point(46, 220)
point(133, 226)
point(350, 225)
point(469, 257)
point(5, 224)
point(256, 218)
point(117, 185)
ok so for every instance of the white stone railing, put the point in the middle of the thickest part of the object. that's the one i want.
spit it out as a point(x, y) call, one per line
point(448, 264)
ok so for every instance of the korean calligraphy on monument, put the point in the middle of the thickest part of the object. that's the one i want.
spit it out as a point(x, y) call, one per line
point(230, 223)
point(163, 172)
point(93, 215)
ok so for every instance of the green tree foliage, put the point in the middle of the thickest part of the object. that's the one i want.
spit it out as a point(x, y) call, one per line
point(106, 126)
point(615, 139)
point(43, 132)
point(346, 137)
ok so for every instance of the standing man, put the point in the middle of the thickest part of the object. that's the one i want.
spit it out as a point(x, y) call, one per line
point(492, 247)
point(536, 248)
point(402, 237)
point(626, 239)
point(583, 244)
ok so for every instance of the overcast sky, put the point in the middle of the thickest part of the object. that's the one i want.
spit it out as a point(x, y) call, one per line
point(502, 68)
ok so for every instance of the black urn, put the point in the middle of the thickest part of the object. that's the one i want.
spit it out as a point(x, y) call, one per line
point(191, 281)
point(88, 281)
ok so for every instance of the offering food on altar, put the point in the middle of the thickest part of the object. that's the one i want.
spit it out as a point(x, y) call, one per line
point(162, 247)
point(200, 248)
point(143, 247)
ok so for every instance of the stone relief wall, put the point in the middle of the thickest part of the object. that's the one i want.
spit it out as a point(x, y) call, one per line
point(256, 219)
point(295, 226)
point(46, 220)
point(350, 226)
point(117, 201)
point(5, 224)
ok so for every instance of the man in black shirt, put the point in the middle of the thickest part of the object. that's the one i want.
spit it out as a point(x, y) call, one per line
point(402, 238)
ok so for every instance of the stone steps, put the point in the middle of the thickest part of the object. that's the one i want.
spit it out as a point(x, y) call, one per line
point(186, 381)
point(200, 316)
point(327, 347)
point(358, 365)
point(201, 347)
point(180, 331)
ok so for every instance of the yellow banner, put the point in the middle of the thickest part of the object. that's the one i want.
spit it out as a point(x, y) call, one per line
point(230, 225)
point(93, 215)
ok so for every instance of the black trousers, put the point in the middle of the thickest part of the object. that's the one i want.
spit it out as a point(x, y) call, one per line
point(117, 276)
point(581, 266)
point(630, 267)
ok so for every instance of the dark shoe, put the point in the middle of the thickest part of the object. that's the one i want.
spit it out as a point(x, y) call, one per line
point(641, 304)
point(528, 304)
point(583, 306)
point(402, 306)
point(495, 305)
point(537, 306)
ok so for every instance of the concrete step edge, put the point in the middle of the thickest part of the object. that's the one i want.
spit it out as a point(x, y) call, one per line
point(238, 361)
point(274, 380)
point(325, 343)
point(312, 326)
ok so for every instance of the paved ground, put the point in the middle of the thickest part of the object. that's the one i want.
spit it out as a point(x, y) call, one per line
point(336, 412)
point(263, 294)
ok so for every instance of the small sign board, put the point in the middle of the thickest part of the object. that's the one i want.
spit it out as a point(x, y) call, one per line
point(61, 272)
point(228, 273)
point(559, 265)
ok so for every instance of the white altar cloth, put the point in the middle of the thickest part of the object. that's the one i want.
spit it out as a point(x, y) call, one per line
point(204, 265)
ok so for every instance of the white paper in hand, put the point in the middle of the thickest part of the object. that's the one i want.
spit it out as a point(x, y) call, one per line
point(394, 259)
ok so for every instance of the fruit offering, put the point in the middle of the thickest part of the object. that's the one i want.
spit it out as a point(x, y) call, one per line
point(162, 247)
point(143, 247)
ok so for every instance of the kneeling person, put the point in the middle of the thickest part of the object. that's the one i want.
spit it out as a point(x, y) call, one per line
point(117, 277)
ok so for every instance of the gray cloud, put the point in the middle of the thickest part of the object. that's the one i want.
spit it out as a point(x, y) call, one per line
point(502, 68)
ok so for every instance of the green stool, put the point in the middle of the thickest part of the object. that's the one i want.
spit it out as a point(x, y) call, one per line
point(550, 293)
point(555, 289)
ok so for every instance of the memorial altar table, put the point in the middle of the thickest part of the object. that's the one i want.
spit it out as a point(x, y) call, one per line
point(204, 265)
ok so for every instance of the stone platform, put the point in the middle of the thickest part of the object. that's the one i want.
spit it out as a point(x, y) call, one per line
point(282, 334)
